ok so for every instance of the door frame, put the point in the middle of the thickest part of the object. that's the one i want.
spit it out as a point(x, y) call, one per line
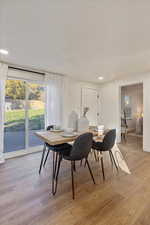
point(123, 85)
point(98, 101)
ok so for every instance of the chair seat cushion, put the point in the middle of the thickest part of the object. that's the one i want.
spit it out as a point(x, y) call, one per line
point(97, 145)
point(59, 148)
point(66, 153)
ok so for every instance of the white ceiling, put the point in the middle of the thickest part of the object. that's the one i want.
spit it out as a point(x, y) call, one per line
point(82, 38)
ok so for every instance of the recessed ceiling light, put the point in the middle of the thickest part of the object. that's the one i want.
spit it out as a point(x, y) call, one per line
point(100, 78)
point(3, 52)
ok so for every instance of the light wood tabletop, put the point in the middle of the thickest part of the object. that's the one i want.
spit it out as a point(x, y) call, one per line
point(55, 138)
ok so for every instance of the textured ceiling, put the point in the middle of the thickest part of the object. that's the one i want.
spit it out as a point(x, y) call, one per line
point(84, 39)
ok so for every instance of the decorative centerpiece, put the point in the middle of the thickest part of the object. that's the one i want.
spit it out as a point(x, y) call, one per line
point(100, 130)
point(73, 121)
point(83, 123)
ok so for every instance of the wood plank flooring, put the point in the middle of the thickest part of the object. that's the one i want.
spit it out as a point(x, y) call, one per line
point(122, 199)
point(133, 143)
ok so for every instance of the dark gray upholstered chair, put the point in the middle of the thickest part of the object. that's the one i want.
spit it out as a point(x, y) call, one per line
point(80, 150)
point(106, 145)
point(54, 148)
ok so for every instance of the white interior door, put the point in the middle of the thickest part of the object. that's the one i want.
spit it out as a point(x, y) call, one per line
point(90, 98)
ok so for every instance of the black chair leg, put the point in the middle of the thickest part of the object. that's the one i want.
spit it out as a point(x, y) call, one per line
point(102, 165)
point(90, 171)
point(72, 177)
point(85, 163)
point(43, 154)
point(74, 166)
point(57, 173)
point(95, 156)
point(114, 160)
point(111, 158)
point(81, 162)
point(46, 157)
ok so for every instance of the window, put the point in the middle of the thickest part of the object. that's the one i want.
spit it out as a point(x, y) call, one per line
point(24, 114)
point(36, 112)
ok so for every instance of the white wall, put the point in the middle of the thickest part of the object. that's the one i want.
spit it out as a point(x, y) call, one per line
point(110, 105)
point(146, 118)
point(72, 96)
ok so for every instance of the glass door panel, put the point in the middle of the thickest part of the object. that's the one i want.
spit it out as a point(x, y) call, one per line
point(36, 112)
point(14, 130)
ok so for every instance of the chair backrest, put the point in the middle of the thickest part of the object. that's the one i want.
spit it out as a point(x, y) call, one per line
point(81, 146)
point(50, 127)
point(109, 140)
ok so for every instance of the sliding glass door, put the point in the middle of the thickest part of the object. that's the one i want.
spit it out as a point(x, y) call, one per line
point(24, 114)
point(36, 112)
point(14, 136)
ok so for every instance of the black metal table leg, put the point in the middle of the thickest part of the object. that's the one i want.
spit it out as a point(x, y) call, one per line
point(43, 153)
point(46, 157)
point(53, 173)
point(72, 176)
point(56, 159)
point(57, 173)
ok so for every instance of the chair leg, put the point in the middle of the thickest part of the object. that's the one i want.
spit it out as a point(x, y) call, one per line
point(81, 162)
point(46, 158)
point(43, 154)
point(95, 156)
point(90, 171)
point(57, 173)
point(74, 166)
point(114, 160)
point(124, 137)
point(85, 163)
point(102, 166)
point(99, 155)
point(72, 177)
point(111, 158)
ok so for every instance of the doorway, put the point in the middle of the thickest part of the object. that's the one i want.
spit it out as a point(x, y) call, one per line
point(90, 99)
point(132, 116)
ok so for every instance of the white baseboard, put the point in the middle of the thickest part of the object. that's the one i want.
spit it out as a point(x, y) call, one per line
point(146, 148)
point(9, 155)
point(2, 160)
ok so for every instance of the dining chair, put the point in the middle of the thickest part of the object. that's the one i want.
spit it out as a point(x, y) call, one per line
point(54, 148)
point(106, 145)
point(77, 152)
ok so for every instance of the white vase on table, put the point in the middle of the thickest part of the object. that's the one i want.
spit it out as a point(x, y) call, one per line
point(73, 121)
point(83, 124)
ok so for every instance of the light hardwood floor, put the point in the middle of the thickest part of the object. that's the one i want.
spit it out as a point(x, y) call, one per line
point(122, 199)
point(132, 143)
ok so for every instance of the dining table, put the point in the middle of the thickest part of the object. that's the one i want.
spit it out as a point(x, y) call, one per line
point(56, 137)
point(53, 137)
